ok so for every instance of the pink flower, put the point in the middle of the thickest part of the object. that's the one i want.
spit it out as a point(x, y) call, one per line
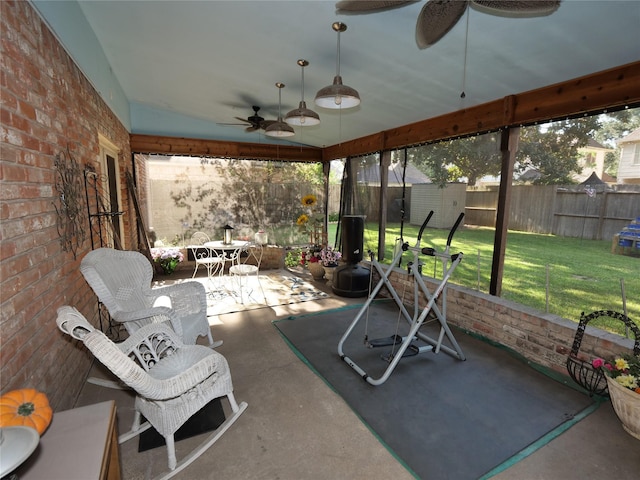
point(597, 363)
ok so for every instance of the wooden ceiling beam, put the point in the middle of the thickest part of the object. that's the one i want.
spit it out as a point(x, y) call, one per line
point(610, 89)
point(215, 148)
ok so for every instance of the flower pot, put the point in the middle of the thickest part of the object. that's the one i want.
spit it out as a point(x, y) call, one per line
point(262, 238)
point(626, 404)
point(328, 273)
point(316, 270)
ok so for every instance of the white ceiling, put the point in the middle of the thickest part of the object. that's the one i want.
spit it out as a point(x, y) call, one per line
point(212, 60)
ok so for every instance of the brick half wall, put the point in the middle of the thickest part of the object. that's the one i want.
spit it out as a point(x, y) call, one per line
point(543, 339)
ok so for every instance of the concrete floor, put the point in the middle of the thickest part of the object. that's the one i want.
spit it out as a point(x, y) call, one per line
point(297, 427)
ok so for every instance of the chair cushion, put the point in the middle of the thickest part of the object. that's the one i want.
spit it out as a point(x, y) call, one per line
point(181, 360)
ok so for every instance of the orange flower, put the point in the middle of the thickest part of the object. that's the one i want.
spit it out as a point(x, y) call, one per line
point(309, 200)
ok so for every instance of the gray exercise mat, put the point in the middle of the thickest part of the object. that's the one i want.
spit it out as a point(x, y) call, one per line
point(444, 418)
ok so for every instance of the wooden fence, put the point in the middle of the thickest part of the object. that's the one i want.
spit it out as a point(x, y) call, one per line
point(560, 210)
point(564, 211)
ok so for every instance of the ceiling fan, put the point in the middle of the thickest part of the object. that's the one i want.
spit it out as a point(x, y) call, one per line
point(253, 122)
point(437, 17)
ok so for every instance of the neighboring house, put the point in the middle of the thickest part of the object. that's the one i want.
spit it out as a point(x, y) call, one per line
point(629, 166)
point(591, 158)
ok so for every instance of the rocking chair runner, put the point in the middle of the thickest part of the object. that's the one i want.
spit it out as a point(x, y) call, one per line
point(122, 281)
point(173, 381)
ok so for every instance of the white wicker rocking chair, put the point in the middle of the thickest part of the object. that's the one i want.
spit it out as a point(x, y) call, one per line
point(173, 381)
point(122, 281)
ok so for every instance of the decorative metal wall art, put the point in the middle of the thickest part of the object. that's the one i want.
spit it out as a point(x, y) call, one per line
point(103, 232)
point(70, 218)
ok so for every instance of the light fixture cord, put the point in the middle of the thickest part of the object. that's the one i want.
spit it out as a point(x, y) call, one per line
point(338, 57)
point(303, 83)
point(464, 69)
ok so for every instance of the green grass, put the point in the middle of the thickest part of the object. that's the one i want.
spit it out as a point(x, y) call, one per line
point(583, 275)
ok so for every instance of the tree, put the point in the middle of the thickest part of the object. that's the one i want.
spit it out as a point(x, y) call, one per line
point(552, 149)
point(246, 194)
point(616, 125)
point(452, 161)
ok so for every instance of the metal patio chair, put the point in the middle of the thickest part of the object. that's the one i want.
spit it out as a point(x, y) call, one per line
point(248, 264)
point(204, 256)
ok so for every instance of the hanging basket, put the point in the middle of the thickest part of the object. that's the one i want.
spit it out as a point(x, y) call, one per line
point(581, 371)
point(626, 404)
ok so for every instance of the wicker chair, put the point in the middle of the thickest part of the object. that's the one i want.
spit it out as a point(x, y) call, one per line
point(172, 381)
point(122, 281)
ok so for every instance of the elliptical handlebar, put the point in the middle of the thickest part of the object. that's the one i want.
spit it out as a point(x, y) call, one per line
point(424, 225)
point(454, 228)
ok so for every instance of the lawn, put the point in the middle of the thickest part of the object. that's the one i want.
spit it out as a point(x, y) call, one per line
point(579, 275)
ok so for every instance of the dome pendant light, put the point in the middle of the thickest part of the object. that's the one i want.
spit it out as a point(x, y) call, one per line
point(337, 95)
point(279, 128)
point(302, 116)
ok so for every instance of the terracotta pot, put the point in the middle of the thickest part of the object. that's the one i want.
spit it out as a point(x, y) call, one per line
point(626, 404)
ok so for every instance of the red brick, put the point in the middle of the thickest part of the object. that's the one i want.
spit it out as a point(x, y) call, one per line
point(26, 110)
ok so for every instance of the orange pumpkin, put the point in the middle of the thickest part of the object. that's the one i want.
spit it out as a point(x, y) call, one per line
point(25, 407)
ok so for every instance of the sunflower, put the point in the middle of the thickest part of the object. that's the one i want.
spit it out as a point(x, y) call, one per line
point(309, 200)
point(302, 220)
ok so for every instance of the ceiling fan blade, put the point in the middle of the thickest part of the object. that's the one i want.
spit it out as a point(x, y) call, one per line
point(266, 123)
point(242, 120)
point(365, 6)
point(516, 8)
point(436, 18)
point(251, 128)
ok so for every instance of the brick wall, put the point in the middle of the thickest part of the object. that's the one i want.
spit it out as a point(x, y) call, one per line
point(47, 107)
point(543, 339)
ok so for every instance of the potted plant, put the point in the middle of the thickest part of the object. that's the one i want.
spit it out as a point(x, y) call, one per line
point(310, 221)
point(623, 380)
point(167, 258)
point(311, 260)
point(329, 259)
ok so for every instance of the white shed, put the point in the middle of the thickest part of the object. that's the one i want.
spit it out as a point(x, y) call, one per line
point(447, 203)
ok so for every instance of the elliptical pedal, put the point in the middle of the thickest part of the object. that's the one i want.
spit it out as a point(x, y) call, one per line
point(411, 351)
point(384, 342)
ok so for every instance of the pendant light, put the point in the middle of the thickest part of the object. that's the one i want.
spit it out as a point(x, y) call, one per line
point(337, 95)
point(279, 128)
point(302, 116)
